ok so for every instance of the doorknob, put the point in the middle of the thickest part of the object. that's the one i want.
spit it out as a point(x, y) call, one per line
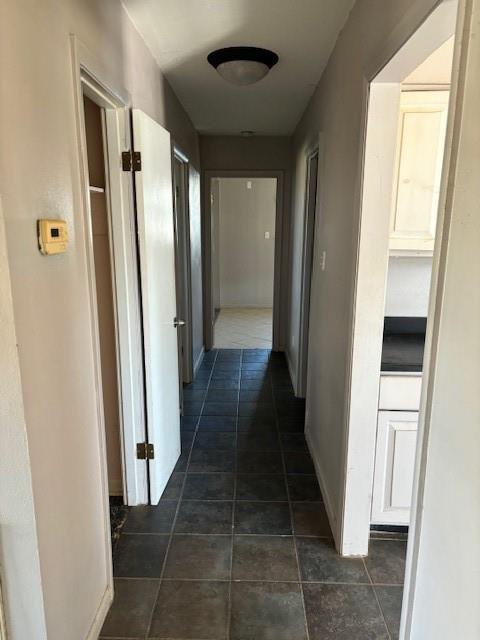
point(178, 323)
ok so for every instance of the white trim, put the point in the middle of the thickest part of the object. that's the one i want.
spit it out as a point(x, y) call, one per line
point(124, 263)
point(278, 289)
point(101, 614)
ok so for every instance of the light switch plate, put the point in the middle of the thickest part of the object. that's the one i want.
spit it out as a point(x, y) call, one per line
point(52, 236)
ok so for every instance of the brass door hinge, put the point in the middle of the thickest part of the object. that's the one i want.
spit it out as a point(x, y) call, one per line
point(145, 451)
point(131, 161)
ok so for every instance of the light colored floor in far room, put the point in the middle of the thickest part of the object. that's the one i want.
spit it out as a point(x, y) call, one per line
point(243, 328)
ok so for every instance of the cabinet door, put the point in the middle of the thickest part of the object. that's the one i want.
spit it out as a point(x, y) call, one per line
point(420, 147)
point(394, 466)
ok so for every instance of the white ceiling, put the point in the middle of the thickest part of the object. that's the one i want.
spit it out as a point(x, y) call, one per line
point(181, 33)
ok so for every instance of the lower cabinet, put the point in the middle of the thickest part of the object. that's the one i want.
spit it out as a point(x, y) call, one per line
point(394, 467)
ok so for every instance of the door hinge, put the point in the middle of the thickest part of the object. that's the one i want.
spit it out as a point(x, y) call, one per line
point(131, 161)
point(145, 451)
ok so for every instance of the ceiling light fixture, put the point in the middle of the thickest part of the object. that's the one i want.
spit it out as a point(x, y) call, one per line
point(242, 65)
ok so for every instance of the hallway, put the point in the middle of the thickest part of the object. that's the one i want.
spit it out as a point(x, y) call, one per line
point(239, 547)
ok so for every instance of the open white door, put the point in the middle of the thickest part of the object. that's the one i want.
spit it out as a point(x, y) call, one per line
point(157, 272)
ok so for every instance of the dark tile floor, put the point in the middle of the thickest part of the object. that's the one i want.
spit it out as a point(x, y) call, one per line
point(239, 547)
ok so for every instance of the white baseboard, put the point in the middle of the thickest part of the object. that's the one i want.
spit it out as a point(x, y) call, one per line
point(103, 608)
point(293, 377)
point(323, 487)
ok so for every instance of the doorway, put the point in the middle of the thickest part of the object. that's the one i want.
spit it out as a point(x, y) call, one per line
point(101, 234)
point(243, 236)
point(182, 268)
point(402, 184)
point(311, 201)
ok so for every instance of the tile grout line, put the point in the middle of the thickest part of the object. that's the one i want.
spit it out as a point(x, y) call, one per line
point(282, 453)
point(172, 529)
point(372, 584)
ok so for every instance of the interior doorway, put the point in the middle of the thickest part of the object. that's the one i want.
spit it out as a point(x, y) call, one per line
point(243, 261)
point(403, 179)
point(101, 235)
point(182, 268)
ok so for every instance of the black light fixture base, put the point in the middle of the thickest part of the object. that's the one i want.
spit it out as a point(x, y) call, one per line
point(253, 54)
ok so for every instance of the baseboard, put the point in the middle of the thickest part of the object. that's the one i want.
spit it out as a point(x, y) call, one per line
point(101, 614)
point(293, 378)
point(198, 362)
point(323, 487)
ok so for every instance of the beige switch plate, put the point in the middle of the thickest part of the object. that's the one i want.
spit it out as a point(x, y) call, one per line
point(52, 236)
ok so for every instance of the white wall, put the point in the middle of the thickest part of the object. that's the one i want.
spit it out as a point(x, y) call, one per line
point(337, 109)
point(245, 256)
point(40, 177)
point(445, 542)
point(215, 191)
point(408, 286)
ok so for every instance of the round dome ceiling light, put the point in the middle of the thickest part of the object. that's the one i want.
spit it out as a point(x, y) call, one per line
point(242, 65)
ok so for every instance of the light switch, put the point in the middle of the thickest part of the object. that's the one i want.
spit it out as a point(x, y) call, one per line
point(249, 184)
point(267, 235)
point(52, 236)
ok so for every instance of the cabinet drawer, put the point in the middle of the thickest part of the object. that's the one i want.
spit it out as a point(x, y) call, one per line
point(400, 393)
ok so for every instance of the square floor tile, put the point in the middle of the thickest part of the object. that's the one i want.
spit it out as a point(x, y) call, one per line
point(271, 518)
point(269, 558)
point(209, 486)
point(259, 462)
point(204, 517)
point(199, 557)
point(219, 409)
point(303, 488)
point(248, 384)
point(386, 561)
point(222, 395)
point(139, 555)
point(256, 426)
point(257, 486)
point(298, 462)
point(188, 423)
point(230, 376)
point(174, 487)
point(151, 519)
point(256, 395)
point(194, 395)
point(130, 613)
point(217, 423)
point(294, 442)
point(255, 409)
point(343, 612)
point(290, 425)
point(215, 440)
point(390, 599)
point(267, 611)
point(211, 460)
point(320, 562)
point(263, 441)
point(192, 408)
point(310, 519)
point(191, 610)
point(198, 385)
point(219, 383)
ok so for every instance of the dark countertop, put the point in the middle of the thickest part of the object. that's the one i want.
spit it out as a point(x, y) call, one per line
point(403, 352)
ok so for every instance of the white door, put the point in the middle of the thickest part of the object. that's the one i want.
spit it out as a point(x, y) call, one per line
point(157, 272)
point(394, 467)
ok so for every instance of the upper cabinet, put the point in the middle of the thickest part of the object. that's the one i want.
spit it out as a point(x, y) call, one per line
point(416, 188)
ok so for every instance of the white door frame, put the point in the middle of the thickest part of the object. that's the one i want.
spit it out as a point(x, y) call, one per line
point(207, 244)
point(310, 224)
point(94, 81)
point(421, 36)
point(184, 250)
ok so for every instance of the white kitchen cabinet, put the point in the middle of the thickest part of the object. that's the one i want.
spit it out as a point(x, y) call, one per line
point(394, 467)
point(420, 146)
